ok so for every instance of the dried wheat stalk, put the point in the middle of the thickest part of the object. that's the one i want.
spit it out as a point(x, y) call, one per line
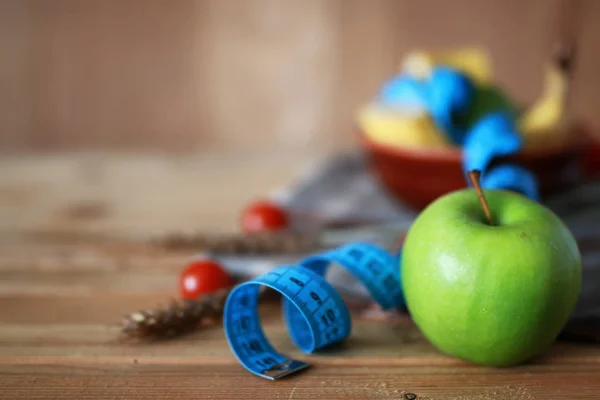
point(237, 244)
point(175, 319)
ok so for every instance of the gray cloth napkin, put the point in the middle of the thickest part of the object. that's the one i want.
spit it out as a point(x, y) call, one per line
point(342, 188)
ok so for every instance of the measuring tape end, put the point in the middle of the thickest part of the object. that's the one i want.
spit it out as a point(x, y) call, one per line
point(284, 369)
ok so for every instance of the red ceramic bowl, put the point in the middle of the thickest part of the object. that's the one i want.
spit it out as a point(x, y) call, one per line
point(417, 177)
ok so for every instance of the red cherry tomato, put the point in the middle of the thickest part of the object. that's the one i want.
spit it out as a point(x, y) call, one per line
point(264, 216)
point(201, 277)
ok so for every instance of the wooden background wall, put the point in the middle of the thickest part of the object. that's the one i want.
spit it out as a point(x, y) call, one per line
point(250, 74)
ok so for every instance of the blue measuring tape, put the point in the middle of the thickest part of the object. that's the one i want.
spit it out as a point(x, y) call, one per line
point(314, 312)
point(495, 135)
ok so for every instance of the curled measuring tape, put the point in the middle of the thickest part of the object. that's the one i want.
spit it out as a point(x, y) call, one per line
point(314, 312)
point(493, 136)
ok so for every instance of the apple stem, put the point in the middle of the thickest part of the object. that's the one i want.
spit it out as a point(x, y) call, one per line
point(474, 176)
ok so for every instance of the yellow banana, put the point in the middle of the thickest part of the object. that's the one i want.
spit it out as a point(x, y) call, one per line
point(474, 62)
point(401, 128)
point(542, 123)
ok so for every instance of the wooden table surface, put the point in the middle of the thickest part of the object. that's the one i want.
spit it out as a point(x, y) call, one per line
point(65, 282)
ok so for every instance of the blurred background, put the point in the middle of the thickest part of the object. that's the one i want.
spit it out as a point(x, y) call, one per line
point(252, 75)
point(263, 80)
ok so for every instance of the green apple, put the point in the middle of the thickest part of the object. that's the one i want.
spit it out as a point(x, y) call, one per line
point(494, 294)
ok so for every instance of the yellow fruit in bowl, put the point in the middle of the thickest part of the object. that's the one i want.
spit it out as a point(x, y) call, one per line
point(406, 128)
point(546, 122)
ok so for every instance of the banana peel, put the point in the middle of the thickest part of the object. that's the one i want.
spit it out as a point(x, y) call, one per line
point(401, 128)
point(474, 62)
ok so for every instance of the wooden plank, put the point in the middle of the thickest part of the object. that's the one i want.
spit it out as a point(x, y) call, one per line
point(139, 381)
point(586, 74)
point(46, 326)
point(138, 195)
point(16, 66)
point(270, 73)
point(368, 54)
point(205, 75)
point(116, 74)
point(76, 309)
point(65, 284)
